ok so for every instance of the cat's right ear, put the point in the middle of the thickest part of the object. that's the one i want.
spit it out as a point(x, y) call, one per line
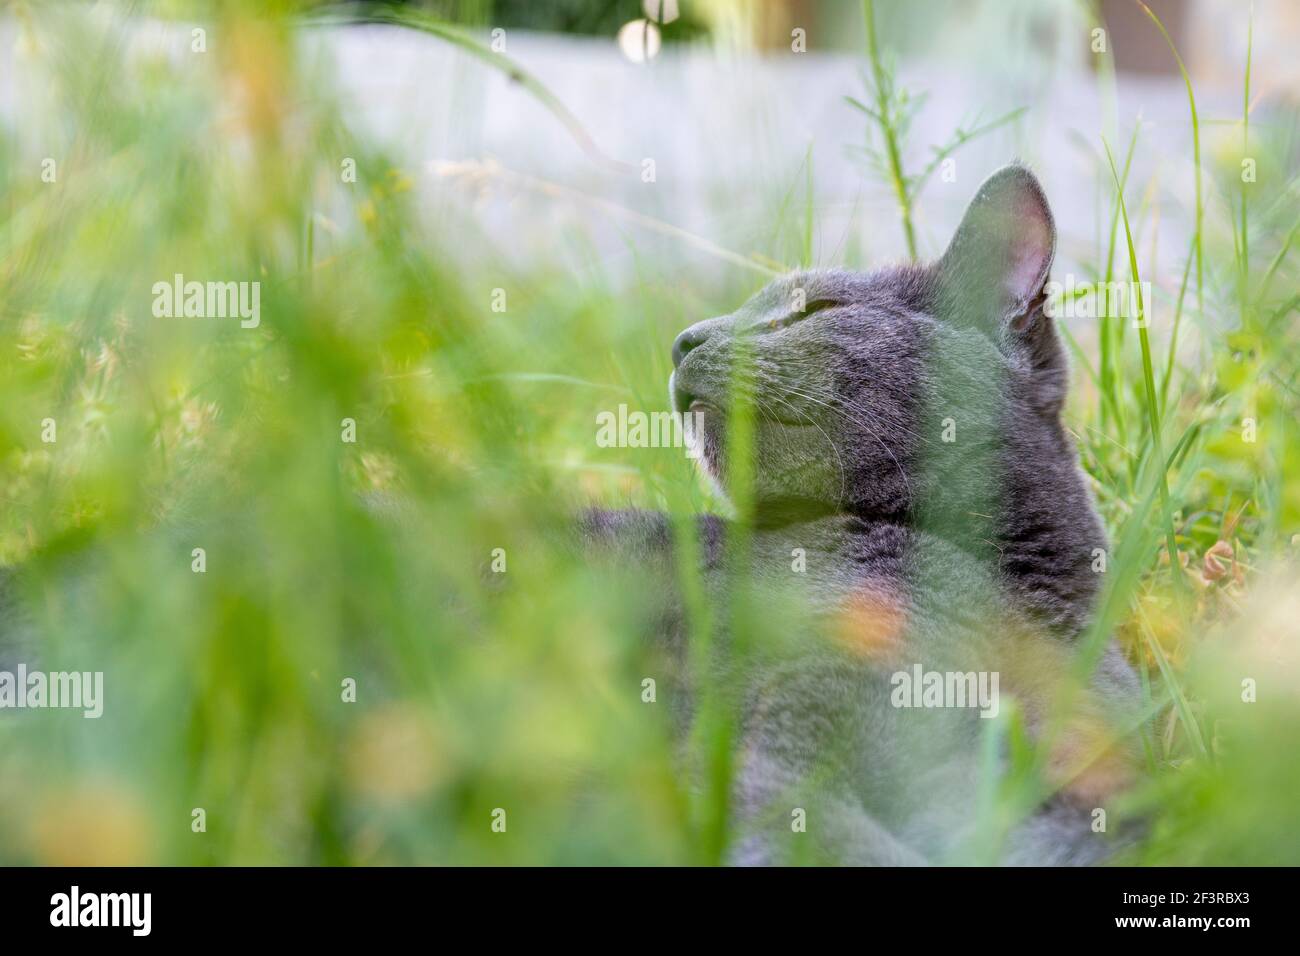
point(999, 259)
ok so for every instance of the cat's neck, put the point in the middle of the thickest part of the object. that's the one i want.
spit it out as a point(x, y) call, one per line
point(1020, 559)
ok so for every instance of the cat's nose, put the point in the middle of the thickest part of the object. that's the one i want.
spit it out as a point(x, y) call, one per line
point(691, 338)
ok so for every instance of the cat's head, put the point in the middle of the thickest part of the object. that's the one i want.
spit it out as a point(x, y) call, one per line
point(908, 387)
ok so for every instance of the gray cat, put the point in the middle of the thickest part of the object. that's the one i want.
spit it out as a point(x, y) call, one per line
point(917, 499)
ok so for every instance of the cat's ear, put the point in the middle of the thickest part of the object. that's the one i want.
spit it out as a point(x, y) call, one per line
point(1000, 257)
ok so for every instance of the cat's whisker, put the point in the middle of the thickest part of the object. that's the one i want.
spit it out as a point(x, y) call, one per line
point(838, 456)
point(881, 413)
point(858, 421)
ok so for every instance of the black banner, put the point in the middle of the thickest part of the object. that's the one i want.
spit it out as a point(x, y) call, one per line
point(336, 905)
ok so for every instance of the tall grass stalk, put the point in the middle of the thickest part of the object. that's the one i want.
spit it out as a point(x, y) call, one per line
point(408, 18)
point(1108, 336)
point(1172, 352)
point(1148, 380)
point(888, 128)
point(1196, 157)
point(891, 112)
point(1245, 152)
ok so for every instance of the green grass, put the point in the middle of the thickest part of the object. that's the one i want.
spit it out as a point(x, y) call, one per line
point(1148, 379)
point(1199, 225)
point(330, 560)
point(891, 111)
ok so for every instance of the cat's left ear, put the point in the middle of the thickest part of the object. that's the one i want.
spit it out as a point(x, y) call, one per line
point(1000, 257)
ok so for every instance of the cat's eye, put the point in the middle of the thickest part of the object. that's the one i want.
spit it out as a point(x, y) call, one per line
point(816, 305)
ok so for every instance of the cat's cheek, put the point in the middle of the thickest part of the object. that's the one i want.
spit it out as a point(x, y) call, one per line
point(710, 446)
point(713, 460)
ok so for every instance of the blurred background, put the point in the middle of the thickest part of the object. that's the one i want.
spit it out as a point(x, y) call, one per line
point(476, 226)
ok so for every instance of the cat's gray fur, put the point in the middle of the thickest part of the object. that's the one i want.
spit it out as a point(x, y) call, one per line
point(961, 541)
point(966, 540)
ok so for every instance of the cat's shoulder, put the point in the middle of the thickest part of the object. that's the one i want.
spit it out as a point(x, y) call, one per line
point(639, 532)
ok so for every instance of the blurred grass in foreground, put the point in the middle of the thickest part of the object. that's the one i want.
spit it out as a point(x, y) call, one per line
point(328, 560)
